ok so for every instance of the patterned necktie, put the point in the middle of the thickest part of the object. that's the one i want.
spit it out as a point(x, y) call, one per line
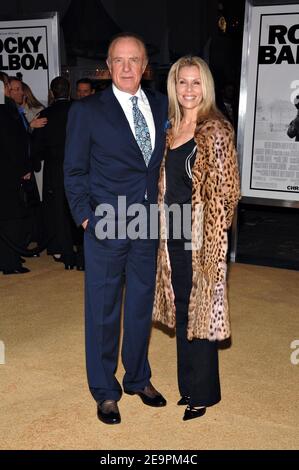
point(143, 137)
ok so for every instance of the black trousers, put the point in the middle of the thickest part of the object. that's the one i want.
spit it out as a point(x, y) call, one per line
point(58, 224)
point(106, 262)
point(197, 360)
point(15, 231)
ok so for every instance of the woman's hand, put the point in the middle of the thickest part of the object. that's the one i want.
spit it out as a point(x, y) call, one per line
point(38, 122)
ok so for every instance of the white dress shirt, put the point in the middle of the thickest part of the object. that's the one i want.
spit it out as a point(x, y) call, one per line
point(124, 100)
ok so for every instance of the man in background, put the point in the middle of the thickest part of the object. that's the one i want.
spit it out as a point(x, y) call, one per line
point(14, 170)
point(48, 145)
point(84, 87)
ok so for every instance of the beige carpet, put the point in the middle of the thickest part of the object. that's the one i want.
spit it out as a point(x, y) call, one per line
point(45, 403)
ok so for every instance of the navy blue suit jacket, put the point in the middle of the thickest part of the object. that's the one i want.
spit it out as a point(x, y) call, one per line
point(102, 158)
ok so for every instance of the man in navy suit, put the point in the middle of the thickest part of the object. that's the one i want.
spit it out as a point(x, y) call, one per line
point(114, 150)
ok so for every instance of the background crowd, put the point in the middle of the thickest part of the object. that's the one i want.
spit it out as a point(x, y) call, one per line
point(34, 213)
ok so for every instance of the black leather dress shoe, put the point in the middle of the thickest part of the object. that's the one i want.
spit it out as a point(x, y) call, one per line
point(191, 413)
point(19, 270)
point(184, 400)
point(108, 412)
point(149, 395)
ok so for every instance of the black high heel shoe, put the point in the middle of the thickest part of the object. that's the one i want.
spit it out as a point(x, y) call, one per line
point(68, 267)
point(184, 400)
point(193, 412)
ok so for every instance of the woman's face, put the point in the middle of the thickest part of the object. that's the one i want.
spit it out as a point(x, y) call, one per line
point(188, 87)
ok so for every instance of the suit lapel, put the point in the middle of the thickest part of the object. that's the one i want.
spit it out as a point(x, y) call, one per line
point(154, 104)
point(117, 117)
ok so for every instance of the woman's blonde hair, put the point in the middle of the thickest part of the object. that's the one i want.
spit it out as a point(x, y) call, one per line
point(207, 108)
point(31, 100)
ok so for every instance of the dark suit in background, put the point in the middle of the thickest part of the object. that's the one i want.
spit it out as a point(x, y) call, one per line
point(48, 145)
point(14, 164)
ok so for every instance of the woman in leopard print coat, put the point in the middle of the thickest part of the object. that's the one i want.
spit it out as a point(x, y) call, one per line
point(191, 291)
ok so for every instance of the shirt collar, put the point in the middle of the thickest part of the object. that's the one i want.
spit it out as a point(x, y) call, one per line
point(124, 97)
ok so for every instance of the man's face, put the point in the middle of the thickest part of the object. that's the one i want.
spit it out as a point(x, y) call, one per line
point(16, 91)
point(83, 89)
point(126, 63)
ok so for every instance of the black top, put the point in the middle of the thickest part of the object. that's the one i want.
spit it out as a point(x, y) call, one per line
point(179, 189)
point(178, 182)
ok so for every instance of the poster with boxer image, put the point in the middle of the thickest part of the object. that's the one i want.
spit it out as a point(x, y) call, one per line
point(268, 131)
point(29, 49)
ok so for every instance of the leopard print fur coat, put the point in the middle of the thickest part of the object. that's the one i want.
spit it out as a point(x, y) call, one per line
point(215, 194)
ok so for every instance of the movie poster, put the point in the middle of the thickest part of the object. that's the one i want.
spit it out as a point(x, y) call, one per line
point(270, 150)
point(29, 49)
